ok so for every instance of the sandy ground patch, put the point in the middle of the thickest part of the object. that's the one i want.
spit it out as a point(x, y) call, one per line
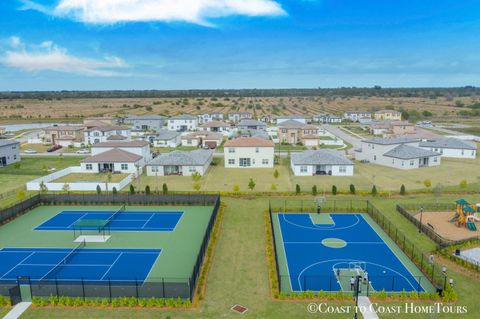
point(441, 225)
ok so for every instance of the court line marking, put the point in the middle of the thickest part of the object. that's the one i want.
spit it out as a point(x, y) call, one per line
point(153, 266)
point(114, 262)
point(285, 254)
point(151, 216)
point(348, 242)
point(11, 269)
point(319, 228)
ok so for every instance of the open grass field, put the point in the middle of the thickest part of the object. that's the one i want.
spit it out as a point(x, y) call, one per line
point(14, 177)
point(75, 108)
point(92, 177)
point(239, 273)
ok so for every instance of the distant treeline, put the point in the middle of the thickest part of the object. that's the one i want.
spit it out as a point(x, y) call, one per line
point(377, 91)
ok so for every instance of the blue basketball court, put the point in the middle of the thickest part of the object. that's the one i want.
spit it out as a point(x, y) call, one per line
point(117, 221)
point(324, 256)
point(93, 265)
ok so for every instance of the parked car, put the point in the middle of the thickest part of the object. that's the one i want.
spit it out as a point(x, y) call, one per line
point(83, 151)
point(54, 148)
point(30, 151)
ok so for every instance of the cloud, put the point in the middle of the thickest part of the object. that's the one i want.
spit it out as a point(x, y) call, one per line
point(47, 56)
point(191, 11)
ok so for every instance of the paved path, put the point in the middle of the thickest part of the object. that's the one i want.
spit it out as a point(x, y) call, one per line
point(335, 130)
point(365, 305)
point(18, 310)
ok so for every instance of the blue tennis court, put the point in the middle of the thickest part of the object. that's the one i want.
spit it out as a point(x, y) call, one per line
point(98, 265)
point(324, 256)
point(117, 221)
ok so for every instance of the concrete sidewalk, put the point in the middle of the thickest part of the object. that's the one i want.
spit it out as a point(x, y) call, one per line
point(365, 304)
point(18, 310)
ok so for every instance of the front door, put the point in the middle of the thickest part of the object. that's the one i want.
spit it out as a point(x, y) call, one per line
point(245, 162)
point(3, 161)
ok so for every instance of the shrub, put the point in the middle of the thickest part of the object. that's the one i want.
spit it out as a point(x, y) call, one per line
point(463, 183)
point(114, 191)
point(196, 176)
point(402, 190)
point(427, 183)
point(164, 189)
point(147, 190)
point(273, 187)
point(334, 190)
point(99, 190)
point(297, 189)
point(132, 189)
point(276, 173)
point(236, 188)
point(374, 191)
point(352, 189)
point(314, 190)
point(251, 184)
point(196, 186)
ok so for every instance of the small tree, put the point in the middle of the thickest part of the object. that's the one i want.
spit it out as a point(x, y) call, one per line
point(427, 183)
point(132, 189)
point(276, 173)
point(334, 190)
point(21, 194)
point(314, 190)
point(374, 190)
point(196, 186)
point(463, 183)
point(297, 189)
point(251, 184)
point(99, 190)
point(402, 190)
point(273, 187)
point(66, 187)
point(196, 176)
point(236, 188)
point(114, 191)
point(147, 190)
point(43, 187)
point(164, 189)
point(352, 189)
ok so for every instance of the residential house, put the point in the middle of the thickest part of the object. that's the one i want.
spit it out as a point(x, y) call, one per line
point(402, 153)
point(152, 123)
point(451, 147)
point(99, 121)
point(139, 147)
point(64, 135)
point(166, 138)
point(249, 152)
point(211, 116)
point(285, 118)
point(292, 132)
point(357, 116)
point(202, 139)
point(9, 152)
point(236, 117)
point(395, 129)
point(181, 163)
point(245, 125)
point(266, 118)
point(250, 133)
point(327, 119)
point(391, 115)
point(99, 133)
point(321, 162)
point(215, 126)
point(183, 123)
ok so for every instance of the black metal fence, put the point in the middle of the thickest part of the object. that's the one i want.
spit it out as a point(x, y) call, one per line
point(155, 287)
point(310, 206)
point(409, 212)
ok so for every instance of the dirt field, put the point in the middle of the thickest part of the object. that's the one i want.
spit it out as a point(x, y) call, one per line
point(439, 220)
point(29, 109)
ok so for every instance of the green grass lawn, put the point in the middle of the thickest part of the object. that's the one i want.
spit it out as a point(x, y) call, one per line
point(239, 273)
point(14, 176)
point(40, 148)
point(91, 177)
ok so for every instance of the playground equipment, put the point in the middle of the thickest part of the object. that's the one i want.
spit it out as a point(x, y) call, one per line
point(466, 214)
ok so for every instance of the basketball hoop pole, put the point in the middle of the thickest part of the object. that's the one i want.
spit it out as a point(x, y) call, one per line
point(357, 288)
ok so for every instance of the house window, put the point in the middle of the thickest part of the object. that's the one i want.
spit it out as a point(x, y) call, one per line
point(14, 157)
point(303, 169)
point(257, 150)
point(154, 169)
point(96, 134)
point(435, 159)
point(192, 169)
point(463, 152)
point(231, 161)
point(374, 157)
point(412, 162)
point(88, 167)
point(403, 163)
point(265, 161)
point(284, 130)
point(342, 169)
point(124, 167)
point(231, 150)
point(189, 142)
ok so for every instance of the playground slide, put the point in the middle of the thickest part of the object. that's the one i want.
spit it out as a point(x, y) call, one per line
point(471, 226)
point(454, 218)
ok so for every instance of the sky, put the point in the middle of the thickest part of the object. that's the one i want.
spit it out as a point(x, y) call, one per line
point(235, 44)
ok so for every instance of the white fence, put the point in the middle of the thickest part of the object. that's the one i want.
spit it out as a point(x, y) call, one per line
point(75, 186)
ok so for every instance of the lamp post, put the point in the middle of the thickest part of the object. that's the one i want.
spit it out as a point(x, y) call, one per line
point(357, 290)
point(421, 216)
point(444, 272)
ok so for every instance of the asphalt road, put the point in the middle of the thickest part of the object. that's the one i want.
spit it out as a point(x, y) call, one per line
point(335, 130)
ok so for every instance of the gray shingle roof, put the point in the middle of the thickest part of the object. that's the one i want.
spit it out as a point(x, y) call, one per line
point(291, 124)
point(448, 143)
point(390, 141)
point(251, 123)
point(145, 117)
point(320, 157)
point(407, 152)
point(115, 155)
point(166, 135)
point(8, 142)
point(183, 117)
point(183, 158)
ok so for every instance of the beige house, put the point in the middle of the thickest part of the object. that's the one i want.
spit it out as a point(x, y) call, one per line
point(249, 152)
point(202, 139)
point(99, 121)
point(64, 135)
point(389, 129)
point(391, 115)
point(293, 132)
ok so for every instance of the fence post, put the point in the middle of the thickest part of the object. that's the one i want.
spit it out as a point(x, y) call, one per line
point(163, 287)
point(109, 290)
point(136, 288)
point(83, 289)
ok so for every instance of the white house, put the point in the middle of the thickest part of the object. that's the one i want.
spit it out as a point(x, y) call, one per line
point(180, 163)
point(146, 122)
point(357, 116)
point(321, 162)
point(298, 118)
point(402, 153)
point(9, 152)
point(98, 134)
point(238, 116)
point(245, 125)
point(182, 123)
point(138, 147)
point(215, 126)
point(113, 160)
point(211, 116)
point(327, 119)
point(202, 139)
point(451, 147)
point(165, 138)
point(250, 152)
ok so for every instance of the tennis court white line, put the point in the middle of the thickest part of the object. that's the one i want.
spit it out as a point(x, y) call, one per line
point(348, 242)
point(114, 262)
point(71, 265)
point(148, 220)
point(18, 264)
point(318, 228)
point(85, 251)
point(75, 220)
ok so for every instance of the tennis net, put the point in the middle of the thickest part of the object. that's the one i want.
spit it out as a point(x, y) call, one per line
point(64, 260)
point(109, 219)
